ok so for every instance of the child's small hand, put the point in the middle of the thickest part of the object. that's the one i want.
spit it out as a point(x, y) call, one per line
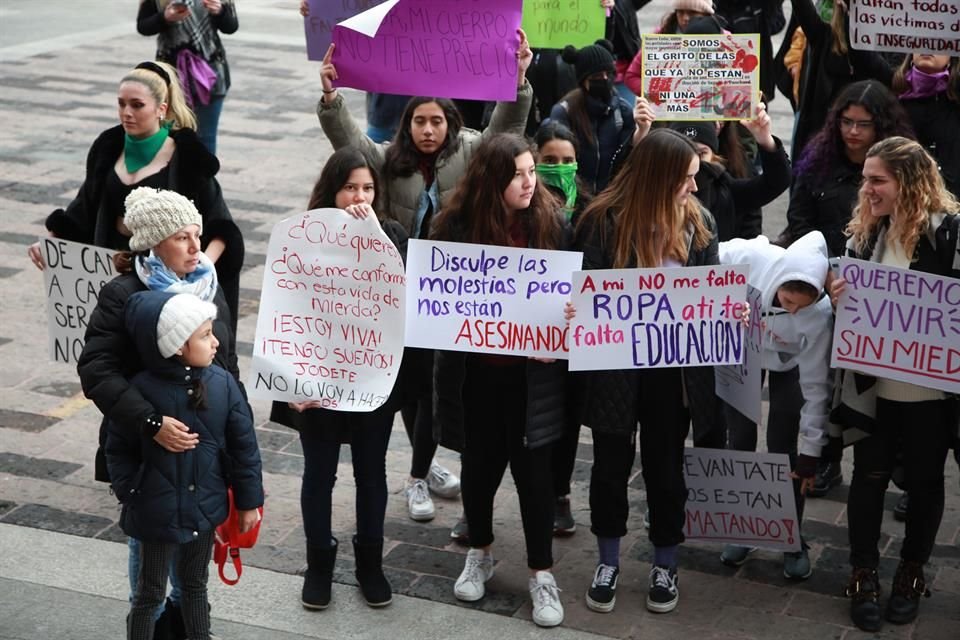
point(836, 287)
point(569, 312)
point(174, 436)
point(745, 318)
point(247, 519)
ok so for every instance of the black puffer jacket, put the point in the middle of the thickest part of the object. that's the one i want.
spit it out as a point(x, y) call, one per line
point(546, 398)
point(172, 497)
point(735, 203)
point(609, 400)
point(193, 171)
point(824, 203)
point(109, 360)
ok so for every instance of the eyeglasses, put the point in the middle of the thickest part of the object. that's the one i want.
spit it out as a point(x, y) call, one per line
point(849, 125)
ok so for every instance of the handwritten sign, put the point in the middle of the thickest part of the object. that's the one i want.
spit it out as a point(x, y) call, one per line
point(650, 318)
point(553, 24)
point(898, 324)
point(441, 48)
point(739, 384)
point(701, 77)
point(488, 299)
point(73, 278)
point(740, 497)
point(332, 306)
point(324, 16)
point(910, 26)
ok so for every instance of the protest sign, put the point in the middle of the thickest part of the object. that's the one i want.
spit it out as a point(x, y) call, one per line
point(488, 299)
point(741, 497)
point(739, 384)
point(330, 326)
point(441, 48)
point(909, 26)
point(324, 16)
point(705, 77)
point(553, 24)
point(74, 275)
point(650, 318)
point(898, 324)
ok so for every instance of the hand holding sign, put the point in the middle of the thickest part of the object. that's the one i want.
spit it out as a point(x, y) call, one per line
point(759, 126)
point(643, 116)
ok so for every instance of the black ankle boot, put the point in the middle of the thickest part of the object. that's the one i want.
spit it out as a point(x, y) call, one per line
point(369, 573)
point(908, 586)
point(318, 576)
point(864, 593)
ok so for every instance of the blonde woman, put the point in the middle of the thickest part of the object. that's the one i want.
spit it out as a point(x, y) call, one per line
point(905, 218)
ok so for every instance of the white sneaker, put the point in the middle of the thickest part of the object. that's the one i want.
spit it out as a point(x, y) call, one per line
point(547, 610)
point(476, 571)
point(442, 482)
point(419, 504)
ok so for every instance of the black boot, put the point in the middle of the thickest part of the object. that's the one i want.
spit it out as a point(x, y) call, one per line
point(373, 584)
point(169, 625)
point(828, 476)
point(864, 593)
point(318, 576)
point(908, 586)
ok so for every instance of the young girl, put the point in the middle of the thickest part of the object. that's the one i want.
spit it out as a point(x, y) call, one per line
point(647, 217)
point(350, 182)
point(904, 218)
point(500, 202)
point(173, 502)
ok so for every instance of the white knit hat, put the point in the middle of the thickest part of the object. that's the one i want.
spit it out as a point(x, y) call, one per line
point(702, 6)
point(180, 317)
point(153, 215)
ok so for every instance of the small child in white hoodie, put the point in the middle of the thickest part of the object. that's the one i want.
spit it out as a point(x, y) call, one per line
point(797, 323)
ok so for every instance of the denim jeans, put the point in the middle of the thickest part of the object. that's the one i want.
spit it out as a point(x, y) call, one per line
point(208, 120)
point(133, 571)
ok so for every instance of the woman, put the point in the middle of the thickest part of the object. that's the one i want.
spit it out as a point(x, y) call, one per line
point(350, 182)
point(165, 255)
point(557, 168)
point(904, 218)
point(623, 32)
point(420, 169)
point(155, 145)
point(928, 87)
point(828, 172)
point(647, 217)
point(187, 38)
point(595, 112)
point(500, 202)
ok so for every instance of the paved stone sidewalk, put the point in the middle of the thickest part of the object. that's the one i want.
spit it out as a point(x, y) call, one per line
point(57, 99)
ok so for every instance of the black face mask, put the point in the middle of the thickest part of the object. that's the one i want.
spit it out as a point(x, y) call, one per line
point(600, 89)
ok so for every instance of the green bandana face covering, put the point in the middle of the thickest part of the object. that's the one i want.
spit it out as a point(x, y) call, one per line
point(563, 177)
point(139, 153)
point(825, 9)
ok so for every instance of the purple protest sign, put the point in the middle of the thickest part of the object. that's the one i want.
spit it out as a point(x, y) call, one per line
point(324, 16)
point(442, 48)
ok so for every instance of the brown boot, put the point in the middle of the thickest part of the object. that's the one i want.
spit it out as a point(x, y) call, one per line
point(864, 593)
point(908, 586)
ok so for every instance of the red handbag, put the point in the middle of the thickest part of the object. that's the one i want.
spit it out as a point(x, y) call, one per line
point(228, 540)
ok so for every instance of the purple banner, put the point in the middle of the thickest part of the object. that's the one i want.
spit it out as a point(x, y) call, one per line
point(324, 16)
point(440, 48)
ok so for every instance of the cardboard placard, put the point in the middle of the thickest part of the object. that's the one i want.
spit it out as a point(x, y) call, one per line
point(324, 16)
point(907, 26)
point(553, 24)
point(740, 384)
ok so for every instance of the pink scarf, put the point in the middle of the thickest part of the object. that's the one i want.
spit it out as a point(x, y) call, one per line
point(194, 71)
point(925, 85)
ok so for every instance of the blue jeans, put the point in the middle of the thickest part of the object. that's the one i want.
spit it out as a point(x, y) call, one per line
point(133, 572)
point(208, 119)
point(625, 93)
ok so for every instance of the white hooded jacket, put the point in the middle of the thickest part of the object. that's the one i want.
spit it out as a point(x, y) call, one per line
point(800, 339)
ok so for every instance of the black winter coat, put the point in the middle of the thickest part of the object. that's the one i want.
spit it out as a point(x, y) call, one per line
point(623, 30)
point(609, 400)
point(109, 360)
point(340, 426)
point(936, 121)
point(173, 497)
point(735, 202)
point(824, 203)
point(193, 172)
point(546, 397)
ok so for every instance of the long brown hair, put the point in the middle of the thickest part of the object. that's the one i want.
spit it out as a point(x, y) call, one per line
point(921, 192)
point(650, 225)
point(899, 84)
point(477, 213)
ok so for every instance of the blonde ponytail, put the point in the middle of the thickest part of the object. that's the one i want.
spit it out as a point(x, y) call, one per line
point(179, 115)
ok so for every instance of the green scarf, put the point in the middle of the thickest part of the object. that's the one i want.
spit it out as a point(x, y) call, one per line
point(139, 153)
point(563, 177)
point(825, 9)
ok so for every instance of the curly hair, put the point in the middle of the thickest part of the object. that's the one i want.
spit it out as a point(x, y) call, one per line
point(826, 150)
point(476, 211)
point(921, 191)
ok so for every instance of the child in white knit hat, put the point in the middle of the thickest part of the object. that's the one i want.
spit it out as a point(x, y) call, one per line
point(173, 502)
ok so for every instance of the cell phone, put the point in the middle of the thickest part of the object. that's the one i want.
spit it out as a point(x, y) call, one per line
point(180, 3)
